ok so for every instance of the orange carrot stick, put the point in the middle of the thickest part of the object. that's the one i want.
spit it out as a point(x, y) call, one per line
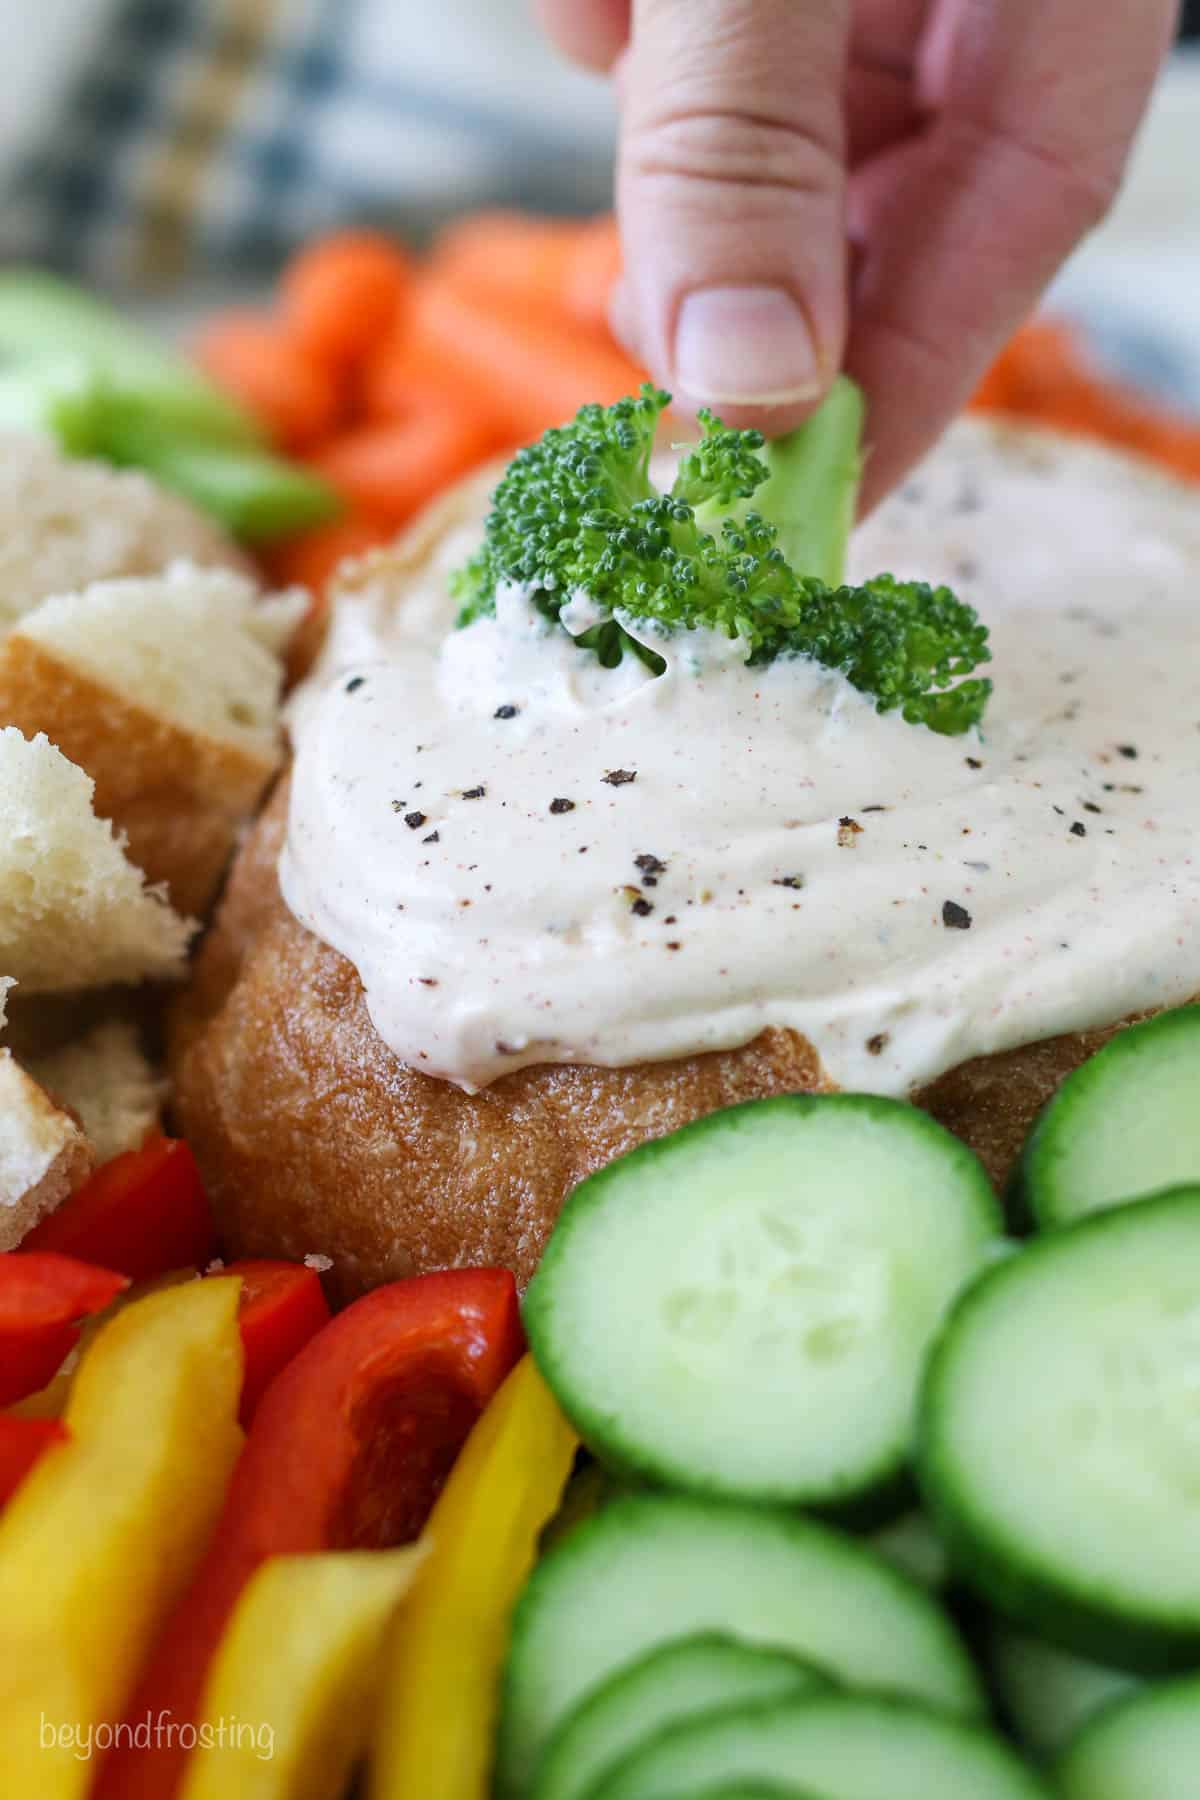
point(509, 255)
point(530, 369)
point(298, 400)
point(344, 293)
point(389, 470)
point(407, 368)
point(1043, 374)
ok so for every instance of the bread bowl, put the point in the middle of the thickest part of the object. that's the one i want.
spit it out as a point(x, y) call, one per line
point(315, 1134)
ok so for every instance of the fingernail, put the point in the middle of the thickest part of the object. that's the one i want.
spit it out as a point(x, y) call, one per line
point(744, 346)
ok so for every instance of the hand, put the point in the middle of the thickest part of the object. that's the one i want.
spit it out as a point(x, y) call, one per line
point(885, 185)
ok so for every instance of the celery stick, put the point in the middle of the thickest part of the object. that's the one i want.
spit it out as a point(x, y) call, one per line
point(42, 316)
point(255, 495)
point(54, 396)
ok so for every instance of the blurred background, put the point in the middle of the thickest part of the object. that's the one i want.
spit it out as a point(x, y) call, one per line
point(153, 141)
point(176, 152)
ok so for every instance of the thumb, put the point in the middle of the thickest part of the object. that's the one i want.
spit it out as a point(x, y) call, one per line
point(731, 192)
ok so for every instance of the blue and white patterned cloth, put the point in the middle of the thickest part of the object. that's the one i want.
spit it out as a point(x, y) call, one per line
point(171, 135)
point(149, 143)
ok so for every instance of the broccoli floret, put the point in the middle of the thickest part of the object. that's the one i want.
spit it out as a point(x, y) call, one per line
point(577, 513)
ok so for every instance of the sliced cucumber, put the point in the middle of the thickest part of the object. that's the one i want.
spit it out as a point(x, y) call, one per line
point(1059, 1437)
point(744, 1307)
point(845, 1746)
point(1048, 1692)
point(255, 495)
point(748, 1790)
point(1145, 1747)
point(911, 1544)
point(42, 316)
point(1125, 1124)
point(674, 1681)
point(652, 1567)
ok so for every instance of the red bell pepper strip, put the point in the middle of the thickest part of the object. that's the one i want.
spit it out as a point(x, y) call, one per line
point(42, 1298)
point(348, 1450)
point(22, 1441)
point(283, 1305)
point(143, 1213)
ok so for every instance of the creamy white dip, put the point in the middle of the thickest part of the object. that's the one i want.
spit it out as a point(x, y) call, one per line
point(529, 858)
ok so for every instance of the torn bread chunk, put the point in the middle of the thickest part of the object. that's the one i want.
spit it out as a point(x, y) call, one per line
point(74, 911)
point(108, 1082)
point(166, 690)
point(44, 1152)
point(64, 523)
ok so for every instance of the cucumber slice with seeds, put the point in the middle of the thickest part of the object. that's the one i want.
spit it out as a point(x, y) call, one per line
point(1146, 1747)
point(652, 1567)
point(845, 1746)
point(1125, 1124)
point(744, 1307)
point(1059, 1434)
point(672, 1682)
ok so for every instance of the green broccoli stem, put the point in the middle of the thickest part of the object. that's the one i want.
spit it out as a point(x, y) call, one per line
point(750, 542)
point(811, 492)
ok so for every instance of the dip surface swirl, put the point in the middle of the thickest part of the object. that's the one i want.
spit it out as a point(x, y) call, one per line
point(529, 858)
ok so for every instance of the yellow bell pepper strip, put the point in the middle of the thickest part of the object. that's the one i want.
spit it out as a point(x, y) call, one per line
point(289, 1698)
point(50, 1402)
point(438, 1702)
point(97, 1543)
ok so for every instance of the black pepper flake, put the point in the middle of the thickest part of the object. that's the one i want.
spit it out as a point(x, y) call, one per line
point(506, 712)
point(619, 777)
point(878, 1044)
point(973, 762)
point(435, 837)
point(1090, 806)
point(1060, 812)
point(1127, 750)
point(641, 907)
point(475, 793)
point(788, 881)
point(1078, 828)
point(955, 917)
point(353, 685)
point(872, 809)
point(414, 820)
point(562, 806)
point(649, 865)
point(674, 944)
point(427, 980)
point(671, 919)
